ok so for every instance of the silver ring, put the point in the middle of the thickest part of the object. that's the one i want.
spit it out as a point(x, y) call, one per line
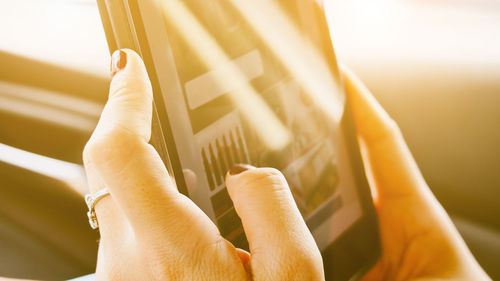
point(91, 200)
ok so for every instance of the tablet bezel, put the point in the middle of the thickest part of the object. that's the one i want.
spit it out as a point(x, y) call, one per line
point(349, 256)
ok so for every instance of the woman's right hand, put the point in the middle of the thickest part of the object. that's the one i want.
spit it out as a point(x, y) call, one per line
point(149, 231)
point(419, 241)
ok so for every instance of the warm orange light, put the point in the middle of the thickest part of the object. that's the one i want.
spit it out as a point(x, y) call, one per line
point(268, 127)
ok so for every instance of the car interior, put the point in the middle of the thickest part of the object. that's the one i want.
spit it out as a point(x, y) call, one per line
point(433, 65)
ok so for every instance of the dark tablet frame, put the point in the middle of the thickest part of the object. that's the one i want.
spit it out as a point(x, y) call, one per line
point(354, 252)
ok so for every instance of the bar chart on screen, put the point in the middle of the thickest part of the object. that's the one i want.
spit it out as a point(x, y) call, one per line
point(221, 145)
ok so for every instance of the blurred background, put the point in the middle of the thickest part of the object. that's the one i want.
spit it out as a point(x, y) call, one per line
point(434, 66)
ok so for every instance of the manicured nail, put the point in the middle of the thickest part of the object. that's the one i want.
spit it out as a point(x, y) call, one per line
point(239, 168)
point(118, 61)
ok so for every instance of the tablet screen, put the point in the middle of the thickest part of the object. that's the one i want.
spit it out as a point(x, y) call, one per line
point(260, 85)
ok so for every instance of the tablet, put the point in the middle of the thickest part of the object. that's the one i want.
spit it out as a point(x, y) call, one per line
point(257, 82)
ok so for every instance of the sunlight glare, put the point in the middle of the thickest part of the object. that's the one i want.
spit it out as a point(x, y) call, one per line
point(268, 127)
point(309, 69)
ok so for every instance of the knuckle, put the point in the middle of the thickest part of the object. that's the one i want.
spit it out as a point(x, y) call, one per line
point(392, 126)
point(392, 130)
point(114, 144)
point(389, 130)
point(89, 151)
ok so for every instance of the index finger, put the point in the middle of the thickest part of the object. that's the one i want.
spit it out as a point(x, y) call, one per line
point(132, 169)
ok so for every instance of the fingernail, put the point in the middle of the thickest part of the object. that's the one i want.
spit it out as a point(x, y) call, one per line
point(118, 61)
point(239, 168)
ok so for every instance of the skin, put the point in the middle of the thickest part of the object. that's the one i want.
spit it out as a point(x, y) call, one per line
point(149, 231)
point(419, 240)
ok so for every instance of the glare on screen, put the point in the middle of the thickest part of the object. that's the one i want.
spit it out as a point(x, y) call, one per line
point(255, 110)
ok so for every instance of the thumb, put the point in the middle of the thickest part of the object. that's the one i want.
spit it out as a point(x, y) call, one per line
point(276, 232)
point(389, 163)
